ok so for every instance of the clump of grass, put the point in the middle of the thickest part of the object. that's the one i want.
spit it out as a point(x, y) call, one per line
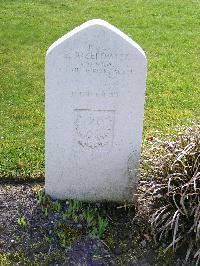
point(172, 190)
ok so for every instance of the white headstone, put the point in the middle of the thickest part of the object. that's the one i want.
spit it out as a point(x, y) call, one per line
point(95, 89)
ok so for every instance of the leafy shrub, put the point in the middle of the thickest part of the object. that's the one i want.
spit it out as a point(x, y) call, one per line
point(171, 192)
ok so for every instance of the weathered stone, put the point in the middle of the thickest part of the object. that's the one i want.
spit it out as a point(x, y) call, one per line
point(95, 87)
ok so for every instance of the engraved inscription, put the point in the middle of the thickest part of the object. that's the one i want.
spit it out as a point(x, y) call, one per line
point(98, 60)
point(94, 129)
point(88, 93)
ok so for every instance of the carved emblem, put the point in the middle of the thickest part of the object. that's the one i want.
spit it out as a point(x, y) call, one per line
point(94, 128)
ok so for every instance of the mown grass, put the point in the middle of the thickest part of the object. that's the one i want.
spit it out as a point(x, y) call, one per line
point(168, 31)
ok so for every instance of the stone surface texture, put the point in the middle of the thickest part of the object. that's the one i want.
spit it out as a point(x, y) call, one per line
point(95, 88)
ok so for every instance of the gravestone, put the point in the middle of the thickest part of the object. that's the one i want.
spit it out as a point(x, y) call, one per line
point(95, 88)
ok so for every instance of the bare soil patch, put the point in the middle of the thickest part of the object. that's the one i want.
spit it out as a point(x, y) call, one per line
point(29, 237)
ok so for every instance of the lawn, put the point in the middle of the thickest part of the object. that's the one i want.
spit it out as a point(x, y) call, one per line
point(168, 31)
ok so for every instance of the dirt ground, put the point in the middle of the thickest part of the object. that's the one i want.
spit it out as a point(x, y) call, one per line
point(28, 236)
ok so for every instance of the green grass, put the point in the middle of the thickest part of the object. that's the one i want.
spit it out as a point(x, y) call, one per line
point(168, 31)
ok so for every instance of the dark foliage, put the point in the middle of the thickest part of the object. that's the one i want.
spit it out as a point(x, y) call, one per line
point(172, 190)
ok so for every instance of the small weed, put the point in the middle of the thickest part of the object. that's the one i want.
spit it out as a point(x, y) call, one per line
point(45, 211)
point(62, 239)
point(102, 224)
point(75, 218)
point(95, 224)
point(77, 205)
point(93, 233)
point(41, 197)
point(73, 207)
point(88, 215)
point(56, 206)
point(66, 215)
point(21, 221)
point(96, 232)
